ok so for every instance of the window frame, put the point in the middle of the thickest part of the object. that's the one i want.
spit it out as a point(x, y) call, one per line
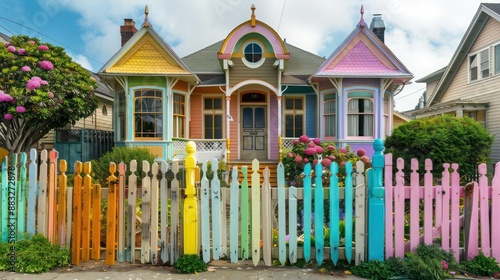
point(177, 116)
point(324, 114)
point(212, 112)
point(479, 63)
point(372, 113)
point(158, 95)
point(294, 112)
point(253, 64)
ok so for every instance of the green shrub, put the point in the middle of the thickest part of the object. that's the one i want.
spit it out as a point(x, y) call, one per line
point(375, 270)
point(34, 254)
point(100, 167)
point(482, 266)
point(443, 139)
point(190, 264)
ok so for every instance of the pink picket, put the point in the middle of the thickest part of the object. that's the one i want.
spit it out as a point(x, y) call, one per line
point(414, 206)
point(389, 211)
point(428, 190)
point(399, 211)
point(445, 214)
point(495, 214)
point(472, 247)
point(484, 210)
point(455, 211)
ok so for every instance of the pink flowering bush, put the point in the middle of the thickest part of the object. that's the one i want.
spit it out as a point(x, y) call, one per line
point(41, 88)
point(307, 150)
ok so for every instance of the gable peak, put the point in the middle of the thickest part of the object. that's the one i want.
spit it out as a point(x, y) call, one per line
point(146, 21)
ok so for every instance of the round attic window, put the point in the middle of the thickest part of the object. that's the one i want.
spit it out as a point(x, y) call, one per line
point(253, 55)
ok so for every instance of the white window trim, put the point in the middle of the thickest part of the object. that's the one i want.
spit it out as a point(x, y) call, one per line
point(478, 66)
point(372, 99)
point(252, 64)
point(294, 112)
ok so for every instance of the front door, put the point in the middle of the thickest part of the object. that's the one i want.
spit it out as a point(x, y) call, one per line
point(253, 133)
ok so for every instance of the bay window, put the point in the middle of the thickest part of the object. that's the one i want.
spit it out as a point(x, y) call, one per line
point(360, 114)
point(148, 115)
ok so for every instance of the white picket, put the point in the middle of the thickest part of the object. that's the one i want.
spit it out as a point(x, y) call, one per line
point(154, 215)
point(131, 211)
point(164, 212)
point(146, 214)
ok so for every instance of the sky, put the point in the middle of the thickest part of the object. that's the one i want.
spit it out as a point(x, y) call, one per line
point(423, 34)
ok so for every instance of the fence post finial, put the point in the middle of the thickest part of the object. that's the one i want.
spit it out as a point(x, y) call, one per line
point(190, 203)
point(376, 206)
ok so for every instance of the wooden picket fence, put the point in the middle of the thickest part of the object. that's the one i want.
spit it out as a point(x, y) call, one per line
point(448, 208)
point(146, 215)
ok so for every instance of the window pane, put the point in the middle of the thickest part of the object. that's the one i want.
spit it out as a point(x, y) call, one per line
point(298, 103)
point(289, 126)
point(217, 103)
point(473, 67)
point(330, 126)
point(497, 59)
point(485, 64)
point(208, 103)
point(247, 118)
point(217, 127)
point(260, 121)
point(288, 103)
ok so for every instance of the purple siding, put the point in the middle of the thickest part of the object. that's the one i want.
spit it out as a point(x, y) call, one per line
point(273, 138)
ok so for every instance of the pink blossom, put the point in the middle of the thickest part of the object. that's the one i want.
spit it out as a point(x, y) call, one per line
point(294, 142)
point(46, 65)
point(331, 148)
point(36, 78)
point(289, 154)
point(311, 144)
point(361, 152)
point(44, 82)
point(304, 139)
point(20, 109)
point(343, 150)
point(342, 163)
point(31, 42)
point(310, 151)
point(5, 97)
point(26, 68)
point(8, 116)
point(331, 157)
point(316, 141)
point(6, 44)
point(319, 149)
point(453, 273)
point(43, 48)
point(11, 49)
point(326, 162)
point(298, 159)
point(314, 162)
point(51, 95)
point(445, 265)
point(32, 84)
point(306, 160)
point(21, 51)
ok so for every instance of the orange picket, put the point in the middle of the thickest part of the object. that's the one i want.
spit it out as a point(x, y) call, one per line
point(77, 215)
point(96, 222)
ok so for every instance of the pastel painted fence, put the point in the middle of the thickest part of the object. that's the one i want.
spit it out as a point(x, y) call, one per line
point(446, 209)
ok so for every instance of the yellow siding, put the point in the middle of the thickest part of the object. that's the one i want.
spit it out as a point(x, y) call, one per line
point(459, 87)
point(240, 72)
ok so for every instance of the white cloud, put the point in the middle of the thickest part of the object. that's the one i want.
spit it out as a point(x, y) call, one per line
point(82, 60)
point(422, 34)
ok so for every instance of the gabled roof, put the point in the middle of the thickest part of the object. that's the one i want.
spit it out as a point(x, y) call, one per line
point(146, 53)
point(434, 76)
point(363, 55)
point(484, 11)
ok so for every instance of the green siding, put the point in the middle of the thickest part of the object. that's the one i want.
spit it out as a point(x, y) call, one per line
point(146, 81)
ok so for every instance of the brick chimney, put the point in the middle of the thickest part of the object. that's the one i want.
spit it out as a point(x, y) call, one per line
point(127, 30)
point(377, 26)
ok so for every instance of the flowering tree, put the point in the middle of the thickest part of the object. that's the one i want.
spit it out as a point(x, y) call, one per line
point(306, 150)
point(41, 88)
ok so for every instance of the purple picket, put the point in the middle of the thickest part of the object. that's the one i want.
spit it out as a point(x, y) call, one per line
point(399, 211)
point(495, 214)
point(389, 239)
point(484, 210)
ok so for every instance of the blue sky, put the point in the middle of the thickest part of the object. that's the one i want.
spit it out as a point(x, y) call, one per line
point(423, 34)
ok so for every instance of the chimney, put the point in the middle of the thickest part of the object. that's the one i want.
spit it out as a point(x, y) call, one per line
point(127, 30)
point(377, 26)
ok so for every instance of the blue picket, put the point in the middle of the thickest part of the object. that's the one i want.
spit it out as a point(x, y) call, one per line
point(292, 224)
point(319, 239)
point(376, 205)
point(334, 213)
point(348, 197)
point(5, 183)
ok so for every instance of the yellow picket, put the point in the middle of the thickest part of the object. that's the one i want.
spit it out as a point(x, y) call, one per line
point(111, 218)
point(190, 203)
point(61, 204)
point(96, 222)
point(77, 215)
point(87, 192)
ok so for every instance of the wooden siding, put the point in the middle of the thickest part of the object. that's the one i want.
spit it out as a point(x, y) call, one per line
point(182, 86)
point(240, 72)
point(430, 87)
point(361, 83)
point(273, 125)
point(195, 126)
point(234, 140)
point(460, 87)
point(310, 116)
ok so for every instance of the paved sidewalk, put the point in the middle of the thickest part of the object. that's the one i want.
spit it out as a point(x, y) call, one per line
point(217, 270)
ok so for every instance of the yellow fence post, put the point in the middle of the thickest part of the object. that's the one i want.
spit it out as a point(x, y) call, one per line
point(76, 241)
point(228, 150)
point(61, 203)
point(111, 218)
point(280, 147)
point(190, 203)
point(96, 222)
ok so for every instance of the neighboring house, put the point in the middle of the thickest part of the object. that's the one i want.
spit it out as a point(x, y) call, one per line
point(101, 120)
point(244, 96)
point(470, 84)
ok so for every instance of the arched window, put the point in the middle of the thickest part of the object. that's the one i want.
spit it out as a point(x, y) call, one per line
point(148, 116)
point(252, 52)
point(360, 114)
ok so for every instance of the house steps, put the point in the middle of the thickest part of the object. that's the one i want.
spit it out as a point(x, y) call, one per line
point(272, 165)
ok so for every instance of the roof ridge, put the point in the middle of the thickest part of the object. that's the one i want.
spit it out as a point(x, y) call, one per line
point(199, 50)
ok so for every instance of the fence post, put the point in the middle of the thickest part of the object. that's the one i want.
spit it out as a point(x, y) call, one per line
point(376, 216)
point(190, 203)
